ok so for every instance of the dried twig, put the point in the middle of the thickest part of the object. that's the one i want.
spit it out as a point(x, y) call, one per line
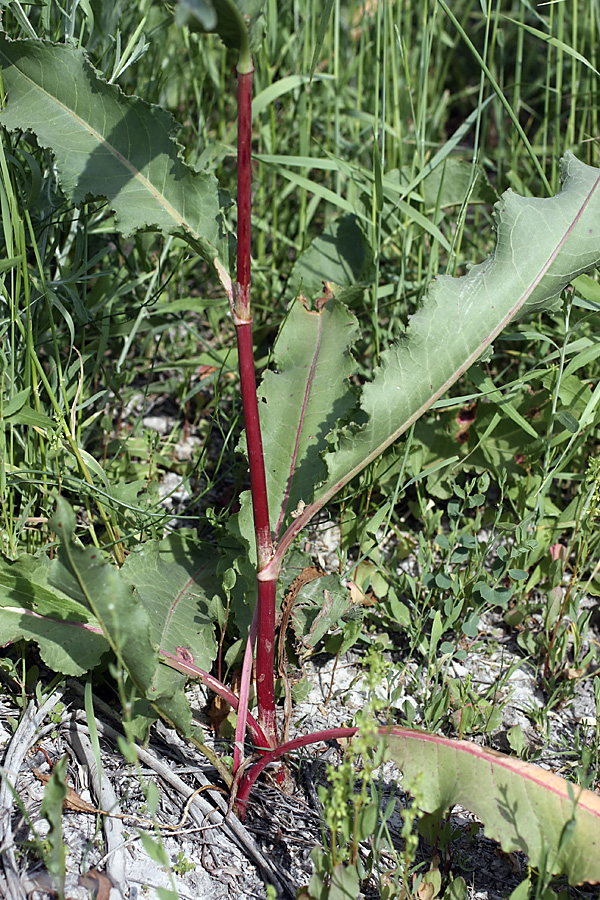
point(23, 738)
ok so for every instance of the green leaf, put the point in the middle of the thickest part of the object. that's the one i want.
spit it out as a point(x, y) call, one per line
point(573, 393)
point(345, 883)
point(166, 894)
point(68, 635)
point(273, 92)
point(436, 632)
point(518, 574)
point(202, 11)
point(567, 420)
point(323, 23)
point(543, 244)
point(457, 889)
point(485, 384)
point(175, 580)
point(367, 818)
point(239, 23)
point(470, 626)
point(521, 805)
point(351, 631)
point(85, 576)
point(341, 256)
point(30, 417)
point(449, 183)
point(319, 605)
point(516, 739)
point(589, 290)
point(495, 596)
point(554, 42)
point(15, 403)
point(301, 403)
point(521, 892)
point(107, 145)
point(154, 849)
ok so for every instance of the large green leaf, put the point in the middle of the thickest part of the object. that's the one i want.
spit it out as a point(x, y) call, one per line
point(299, 404)
point(175, 581)
point(524, 807)
point(542, 246)
point(64, 629)
point(302, 402)
point(239, 23)
point(85, 576)
point(521, 805)
point(107, 145)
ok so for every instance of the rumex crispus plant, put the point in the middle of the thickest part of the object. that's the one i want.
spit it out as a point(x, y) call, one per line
point(309, 431)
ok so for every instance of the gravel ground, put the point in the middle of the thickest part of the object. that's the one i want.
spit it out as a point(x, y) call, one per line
point(207, 853)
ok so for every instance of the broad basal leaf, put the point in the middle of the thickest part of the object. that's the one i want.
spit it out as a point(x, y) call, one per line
point(65, 630)
point(107, 144)
point(524, 807)
point(542, 245)
point(521, 805)
point(85, 576)
point(175, 580)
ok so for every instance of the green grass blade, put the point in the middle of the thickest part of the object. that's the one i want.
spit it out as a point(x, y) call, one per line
point(554, 42)
point(323, 23)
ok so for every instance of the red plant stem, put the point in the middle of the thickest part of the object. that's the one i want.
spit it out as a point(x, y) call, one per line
point(258, 482)
point(242, 316)
point(260, 741)
point(244, 195)
point(248, 780)
point(265, 653)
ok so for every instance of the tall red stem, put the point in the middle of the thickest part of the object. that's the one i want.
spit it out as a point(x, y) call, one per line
point(242, 316)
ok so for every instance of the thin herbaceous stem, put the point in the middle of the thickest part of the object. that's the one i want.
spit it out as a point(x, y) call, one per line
point(256, 732)
point(242, 315)
point(331, 734)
